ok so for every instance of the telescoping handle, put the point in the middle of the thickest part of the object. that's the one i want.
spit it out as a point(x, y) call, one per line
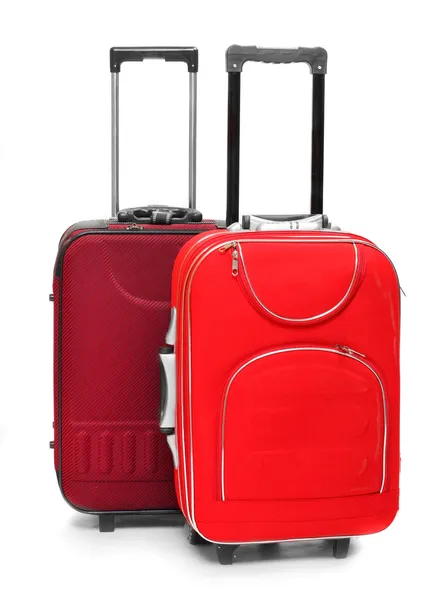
point(189, 55)
point(236, 56)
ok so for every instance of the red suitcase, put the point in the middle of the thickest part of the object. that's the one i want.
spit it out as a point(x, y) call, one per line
point(111, 296)
point(286, 424)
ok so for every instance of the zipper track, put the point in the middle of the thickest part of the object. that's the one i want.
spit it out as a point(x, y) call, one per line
point(314, 318)
point(66, 245)
point(71, 231)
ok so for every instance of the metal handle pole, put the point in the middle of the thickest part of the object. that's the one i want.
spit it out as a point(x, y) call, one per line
point(115, 141)
point(114, 144)
point(192, 138)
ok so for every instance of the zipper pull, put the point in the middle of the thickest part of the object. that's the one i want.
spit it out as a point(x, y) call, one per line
point(235, 262)
point(235, 256)
point(227, 246)
point(134, 227)
point(347, 350)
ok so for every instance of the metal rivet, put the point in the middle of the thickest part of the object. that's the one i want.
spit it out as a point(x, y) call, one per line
point(319, 67)
point(234, 65)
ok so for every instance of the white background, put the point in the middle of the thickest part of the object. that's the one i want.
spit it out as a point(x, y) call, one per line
point(384, 158)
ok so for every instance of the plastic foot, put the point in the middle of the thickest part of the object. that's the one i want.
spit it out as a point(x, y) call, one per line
point(193, 536)
point(341, 547)
point(225, 553)
point(106, 523)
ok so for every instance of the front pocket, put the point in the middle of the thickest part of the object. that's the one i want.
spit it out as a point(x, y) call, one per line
point(303, 422)
point(273, 276)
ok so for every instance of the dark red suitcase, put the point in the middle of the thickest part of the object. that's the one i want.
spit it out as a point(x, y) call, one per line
point(111, 294)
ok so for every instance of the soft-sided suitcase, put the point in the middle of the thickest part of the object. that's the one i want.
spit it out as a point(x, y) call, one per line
point(111, 296)
point(283, 416)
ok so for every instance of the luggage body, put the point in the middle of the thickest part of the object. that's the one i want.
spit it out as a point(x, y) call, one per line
point(111, 292)
point(285, 348)
point(288, 408)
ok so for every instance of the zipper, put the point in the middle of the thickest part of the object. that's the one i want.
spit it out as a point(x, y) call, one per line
point(235, 262)
point(228, 246)
point(237, 258)
point(112, 221)
point(127, 231)
point(117, 222)
point(134, 227)
point(347, 350)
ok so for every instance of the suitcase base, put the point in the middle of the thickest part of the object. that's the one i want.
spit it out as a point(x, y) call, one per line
point(226, 552)
point(107, 521)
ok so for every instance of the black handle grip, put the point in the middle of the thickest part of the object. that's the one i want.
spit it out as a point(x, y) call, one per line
point(236, 56)
point(159, 215)
point(189, 55)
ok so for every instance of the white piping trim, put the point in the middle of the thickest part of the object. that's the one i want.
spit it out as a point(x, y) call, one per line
point(307, 539)
point(296, 349)
point(192, 270)
point(306, 319)
point(183, 462)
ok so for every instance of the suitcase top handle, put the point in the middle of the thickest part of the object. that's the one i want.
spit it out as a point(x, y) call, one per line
point(236, 56)
point(159, 215)
point(189, 55)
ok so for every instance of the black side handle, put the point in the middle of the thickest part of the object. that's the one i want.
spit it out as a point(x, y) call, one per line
point(189, 55)
point(159, 215)
point(236, 56)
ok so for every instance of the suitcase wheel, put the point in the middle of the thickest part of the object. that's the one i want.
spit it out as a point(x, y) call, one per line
point(106, 523)
point(193, 536)
point(225, 553)
point(341, 547)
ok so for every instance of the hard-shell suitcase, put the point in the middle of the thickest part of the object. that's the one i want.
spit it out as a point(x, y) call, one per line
point(111, 296)
point(283, 418)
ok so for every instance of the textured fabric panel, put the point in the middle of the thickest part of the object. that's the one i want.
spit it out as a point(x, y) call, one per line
point(115, 295)
point(56, 371)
